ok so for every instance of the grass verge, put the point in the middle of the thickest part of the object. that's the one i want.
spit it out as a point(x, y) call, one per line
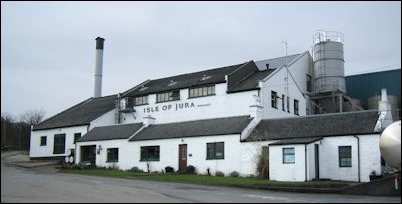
point(204, 179)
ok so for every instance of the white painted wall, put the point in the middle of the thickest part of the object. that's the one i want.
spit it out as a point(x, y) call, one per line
point(101, 158)
point(299, 69)
point(196, 146)
point(243, 157)
point(287, 172)
point(277, 82)
point(217, 106)
point(104, 120)
point(47, 151)
point(328, 155)
point(370, 157)
point(129, 153)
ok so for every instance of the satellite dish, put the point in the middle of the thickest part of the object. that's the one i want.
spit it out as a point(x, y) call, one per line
point(390, 145)
point(66, 159)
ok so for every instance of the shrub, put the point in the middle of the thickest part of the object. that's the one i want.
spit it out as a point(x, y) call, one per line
point(113, 166)
point(262, 165)
point(136, 169)
point(188, 170)
point(234, 174)
point(169, 169)
point(219, 173)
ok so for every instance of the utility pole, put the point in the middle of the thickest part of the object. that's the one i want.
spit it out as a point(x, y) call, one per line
point(286, 66)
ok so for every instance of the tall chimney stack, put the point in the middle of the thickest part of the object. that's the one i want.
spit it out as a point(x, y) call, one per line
point(98, 67)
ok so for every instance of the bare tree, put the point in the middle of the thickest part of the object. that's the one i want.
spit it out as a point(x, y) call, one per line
point(32, 117)
point(7, 117)
point(16, 134)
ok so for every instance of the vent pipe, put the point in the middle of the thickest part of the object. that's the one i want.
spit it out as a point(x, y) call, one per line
point(98, 67)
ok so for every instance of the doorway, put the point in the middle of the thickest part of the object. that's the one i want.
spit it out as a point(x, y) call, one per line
point(182, 157)
point(317, 161)
point(88, 154)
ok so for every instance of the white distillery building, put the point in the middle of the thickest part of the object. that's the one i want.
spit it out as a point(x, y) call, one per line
point(219, 119)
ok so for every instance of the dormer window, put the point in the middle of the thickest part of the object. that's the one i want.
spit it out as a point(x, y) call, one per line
point(201, 91)
point(171, 83)
point(205, 77)
point(143, 88)
point(168, 96)
point(140, 100)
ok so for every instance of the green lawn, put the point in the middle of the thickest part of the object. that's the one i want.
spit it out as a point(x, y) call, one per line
point(202, 179)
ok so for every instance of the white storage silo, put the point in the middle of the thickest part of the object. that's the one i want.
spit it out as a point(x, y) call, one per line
point(329, 71)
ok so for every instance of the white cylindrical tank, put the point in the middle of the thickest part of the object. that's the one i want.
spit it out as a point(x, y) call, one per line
point(390, 145)
point(329, 71)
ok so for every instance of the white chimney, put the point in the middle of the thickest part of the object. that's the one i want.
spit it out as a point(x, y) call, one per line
point(384, 111)
point(148, 120)
point(98, 67)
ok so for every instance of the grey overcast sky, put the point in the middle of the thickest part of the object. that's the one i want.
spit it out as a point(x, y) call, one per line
point(48, 48)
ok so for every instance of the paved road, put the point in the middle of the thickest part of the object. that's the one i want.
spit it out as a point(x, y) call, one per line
point(27, 185)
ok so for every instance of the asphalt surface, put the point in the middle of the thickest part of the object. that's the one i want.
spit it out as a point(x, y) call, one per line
point(33, 185)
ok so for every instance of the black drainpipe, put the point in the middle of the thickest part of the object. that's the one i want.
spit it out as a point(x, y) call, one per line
point(358, 156)
point(305, 162)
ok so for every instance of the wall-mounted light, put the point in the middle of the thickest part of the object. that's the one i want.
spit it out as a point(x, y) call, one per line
point(99, 149)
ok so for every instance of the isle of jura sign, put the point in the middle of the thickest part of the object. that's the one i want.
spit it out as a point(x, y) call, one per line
point(173, 107)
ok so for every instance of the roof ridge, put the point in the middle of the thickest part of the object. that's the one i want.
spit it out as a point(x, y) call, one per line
point(197, 72)
point(281, 57)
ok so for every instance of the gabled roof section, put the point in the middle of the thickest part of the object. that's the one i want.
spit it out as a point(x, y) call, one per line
point(250, 82)
point(336, 124)
point(209, 127)
point(112, 132)
point(80, 114)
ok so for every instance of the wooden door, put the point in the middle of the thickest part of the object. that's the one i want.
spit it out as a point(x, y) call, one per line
point(182, 157)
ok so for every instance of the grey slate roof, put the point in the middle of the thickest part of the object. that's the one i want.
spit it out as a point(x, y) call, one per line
point(208, 127)
point(184, 81)
point(251, 82)
point(296, 141)
point(80, 114)
point(216, 76)
point(112, 132)
point(276, 62)
point(348, 123)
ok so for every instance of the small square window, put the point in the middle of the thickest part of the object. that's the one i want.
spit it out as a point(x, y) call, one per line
point(345, 156)
point(150, 153)
point(76, 137)
point(274, 99)
point(215, 150)
point(112, 155)
point(43, 141)
point(296, 107)
point(288, 155)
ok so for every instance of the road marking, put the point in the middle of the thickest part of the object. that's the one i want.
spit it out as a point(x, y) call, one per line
point(264, 197)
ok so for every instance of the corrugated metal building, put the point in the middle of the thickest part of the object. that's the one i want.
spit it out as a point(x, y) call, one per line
point(366, 86)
